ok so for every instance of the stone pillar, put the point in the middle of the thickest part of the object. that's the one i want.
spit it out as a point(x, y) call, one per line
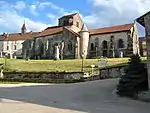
point(77, 48)
point(1, 54)
point(62, 50)
point(1, 74)
point(147, 27)
point(56, 52)
point(121, 54)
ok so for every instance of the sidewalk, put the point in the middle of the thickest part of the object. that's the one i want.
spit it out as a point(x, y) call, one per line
point(145, 96)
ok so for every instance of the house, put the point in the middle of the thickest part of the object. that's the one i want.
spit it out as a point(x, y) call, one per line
point(11, 44)
point(144, 20)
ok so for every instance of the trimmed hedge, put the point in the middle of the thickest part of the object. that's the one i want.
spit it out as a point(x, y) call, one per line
point(28, 80)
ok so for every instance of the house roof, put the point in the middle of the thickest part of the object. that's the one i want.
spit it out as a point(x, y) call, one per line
point(18, 36)
point(50, 31)
point(84, 28)
point(112, 29)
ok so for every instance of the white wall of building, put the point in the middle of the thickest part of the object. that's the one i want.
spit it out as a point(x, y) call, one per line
point(11, 47)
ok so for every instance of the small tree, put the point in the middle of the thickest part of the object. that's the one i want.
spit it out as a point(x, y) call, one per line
point(135, 78)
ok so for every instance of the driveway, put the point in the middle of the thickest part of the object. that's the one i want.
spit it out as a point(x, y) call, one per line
point(88, 97)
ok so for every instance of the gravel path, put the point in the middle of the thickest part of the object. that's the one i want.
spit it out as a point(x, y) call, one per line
point(88, 97)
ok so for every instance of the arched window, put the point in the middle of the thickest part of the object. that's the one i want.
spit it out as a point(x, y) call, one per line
point(120, 43)
point(31, 45)
point(92, 46)
point(104, 44)
point(15, 47)
point(69, 46)
point(56, 44)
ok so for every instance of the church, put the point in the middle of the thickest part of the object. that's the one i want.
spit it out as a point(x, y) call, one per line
point(71, 39)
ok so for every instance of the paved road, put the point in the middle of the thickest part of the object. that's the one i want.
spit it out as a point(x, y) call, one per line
point(89, 97)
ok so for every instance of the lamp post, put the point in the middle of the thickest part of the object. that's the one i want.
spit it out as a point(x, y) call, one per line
point(82, 55)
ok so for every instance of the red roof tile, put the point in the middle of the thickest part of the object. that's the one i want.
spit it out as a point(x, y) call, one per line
point(18, 36)
point(112, 29)
point(50, 31)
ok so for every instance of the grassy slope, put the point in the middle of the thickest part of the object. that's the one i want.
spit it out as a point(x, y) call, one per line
point(60, 65)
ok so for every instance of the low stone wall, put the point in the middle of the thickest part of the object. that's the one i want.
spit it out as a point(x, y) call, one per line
point(112, 72)
point(43, 75)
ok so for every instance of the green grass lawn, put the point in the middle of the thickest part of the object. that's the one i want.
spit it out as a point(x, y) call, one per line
point(60, 65)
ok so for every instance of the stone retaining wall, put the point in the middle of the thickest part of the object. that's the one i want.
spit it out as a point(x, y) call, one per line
point(24, 75)
point(112, 72)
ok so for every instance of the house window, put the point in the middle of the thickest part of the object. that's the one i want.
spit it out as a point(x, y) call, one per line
point(15, 47)
point(120, 43)
point(77, 24)
point(104, 44)
point(69, 46)
point(92, 46)
point(7, 48)
point(96, 42)
point(112, 38)
point(65, 23)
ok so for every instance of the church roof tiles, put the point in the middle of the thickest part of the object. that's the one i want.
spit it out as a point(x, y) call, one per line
point(112, 29)
point(50, 31)
point(18, 36)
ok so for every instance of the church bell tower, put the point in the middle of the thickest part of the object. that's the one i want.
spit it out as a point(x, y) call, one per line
point(23, 29)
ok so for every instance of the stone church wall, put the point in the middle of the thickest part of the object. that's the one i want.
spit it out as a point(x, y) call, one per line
point(44, 47)
point(98, 40)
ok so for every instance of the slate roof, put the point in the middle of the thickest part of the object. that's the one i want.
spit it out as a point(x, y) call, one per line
point(18, 36)
point(112, 29)
point(84, 28)
point(141, 19)
point(69, 15)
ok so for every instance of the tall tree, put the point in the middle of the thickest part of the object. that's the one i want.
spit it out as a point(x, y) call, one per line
point(135, 78)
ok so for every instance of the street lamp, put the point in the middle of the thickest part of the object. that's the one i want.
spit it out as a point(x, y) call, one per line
point(82, 56)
